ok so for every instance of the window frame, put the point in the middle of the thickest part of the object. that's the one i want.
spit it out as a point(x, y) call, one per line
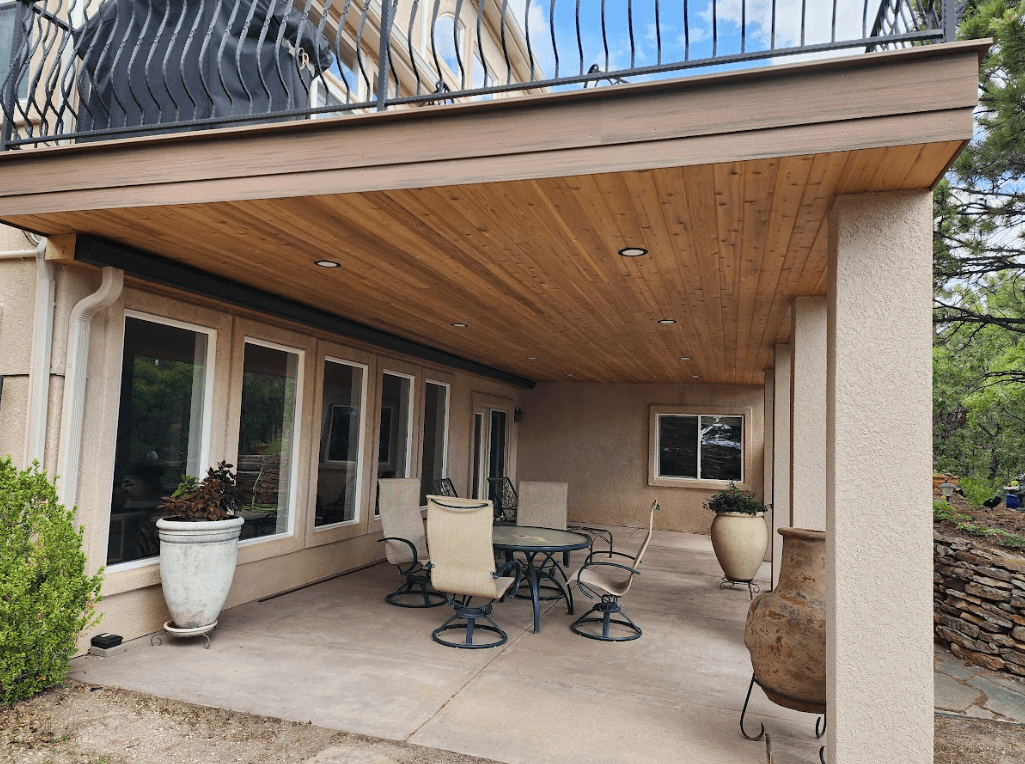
point(357, 518)
point(206, 427)
point(234, 424)
point(22, 99)
point(412, 373)
point(656, 412)
point(430, 380)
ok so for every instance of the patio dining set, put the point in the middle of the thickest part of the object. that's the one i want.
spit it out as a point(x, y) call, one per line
point(471, 551)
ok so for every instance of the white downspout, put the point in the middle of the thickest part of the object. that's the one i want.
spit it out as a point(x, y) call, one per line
point(74, 381)
point(39, 365)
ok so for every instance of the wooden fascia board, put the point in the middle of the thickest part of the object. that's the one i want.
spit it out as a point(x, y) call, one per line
point(884, 100)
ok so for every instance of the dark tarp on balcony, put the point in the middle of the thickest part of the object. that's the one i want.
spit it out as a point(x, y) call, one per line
point(150, 62)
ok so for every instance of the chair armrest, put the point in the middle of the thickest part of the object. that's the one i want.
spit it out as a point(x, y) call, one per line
point(500, 573)
point(609, 553)
point(412, 548)
point(606, 564)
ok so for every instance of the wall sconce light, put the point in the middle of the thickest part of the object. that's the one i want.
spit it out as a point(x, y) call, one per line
point(517, 415)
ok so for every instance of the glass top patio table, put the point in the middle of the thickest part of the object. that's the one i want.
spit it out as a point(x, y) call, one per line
point(532, 541)
point(523, 538)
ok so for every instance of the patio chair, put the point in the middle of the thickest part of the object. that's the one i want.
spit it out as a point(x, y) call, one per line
point(610, 581)
point(504, 496)
point(444, 487)
point(406, 542)
point(545, 505)
point(463, 565)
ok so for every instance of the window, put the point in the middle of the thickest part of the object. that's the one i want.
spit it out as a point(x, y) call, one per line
point(482, 78)
point(490, 448)
point(268, 436)
point(163, 421)
point(446, 44)
point(8, 17)
point(432, 464)
point(700, 447)
point(341, 443)
point(394, 426)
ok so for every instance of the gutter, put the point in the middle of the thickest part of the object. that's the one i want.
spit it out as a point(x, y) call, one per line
point(73, 406)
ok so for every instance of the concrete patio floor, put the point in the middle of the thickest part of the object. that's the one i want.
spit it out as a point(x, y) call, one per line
point(335, 654)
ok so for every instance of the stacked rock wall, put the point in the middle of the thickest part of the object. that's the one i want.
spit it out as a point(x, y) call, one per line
point(979, 599)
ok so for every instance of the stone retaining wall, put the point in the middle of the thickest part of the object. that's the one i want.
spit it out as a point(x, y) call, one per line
point(979, 604)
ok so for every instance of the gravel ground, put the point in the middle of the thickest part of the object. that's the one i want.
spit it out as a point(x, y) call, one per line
point(79, 724)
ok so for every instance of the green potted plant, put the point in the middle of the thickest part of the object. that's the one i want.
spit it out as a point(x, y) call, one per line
point(199, 531)
point(739, 535)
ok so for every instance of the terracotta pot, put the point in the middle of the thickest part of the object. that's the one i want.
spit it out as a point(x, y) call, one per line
point(786, 628)
point(197, 565)
point(739, 542)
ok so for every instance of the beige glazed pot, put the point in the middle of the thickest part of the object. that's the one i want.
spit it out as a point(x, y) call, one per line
point(739, 541)
point(786, 628)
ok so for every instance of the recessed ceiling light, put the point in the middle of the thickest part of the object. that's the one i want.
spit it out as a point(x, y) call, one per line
point(326, 263)
point(683, 358)
point(667, 321)
point(460, 325)
point(633, 252)
point(695, 376)
point(571, 375)
point(531, 357)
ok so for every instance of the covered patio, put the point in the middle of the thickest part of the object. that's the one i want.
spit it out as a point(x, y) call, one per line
point(336, 655)
point(785, 219)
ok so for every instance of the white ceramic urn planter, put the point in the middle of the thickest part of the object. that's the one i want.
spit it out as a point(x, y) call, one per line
point(739, 540)
point(197, 565)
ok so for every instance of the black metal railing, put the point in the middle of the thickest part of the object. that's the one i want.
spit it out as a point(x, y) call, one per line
point(83, 70)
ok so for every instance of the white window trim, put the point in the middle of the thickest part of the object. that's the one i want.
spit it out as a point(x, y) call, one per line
point(293, 468)
point(448, 416)
point(659, 411)
point(356, 516)
point(411, 398)
point(208, 405)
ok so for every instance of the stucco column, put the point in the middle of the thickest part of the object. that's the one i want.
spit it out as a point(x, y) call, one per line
point(768, 392)
point(879, 527)
point(808, 416)
point(780, 453)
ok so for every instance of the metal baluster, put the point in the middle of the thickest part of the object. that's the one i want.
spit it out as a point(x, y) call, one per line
point(387, 14)
point(604, 37)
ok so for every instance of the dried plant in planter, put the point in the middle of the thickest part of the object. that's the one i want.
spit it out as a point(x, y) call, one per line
point(216, 497)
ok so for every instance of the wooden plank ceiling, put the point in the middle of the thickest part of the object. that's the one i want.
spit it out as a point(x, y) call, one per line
point(532, 266)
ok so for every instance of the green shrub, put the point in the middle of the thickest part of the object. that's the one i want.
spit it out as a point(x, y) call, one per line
point(46, 600)
point(977, 490)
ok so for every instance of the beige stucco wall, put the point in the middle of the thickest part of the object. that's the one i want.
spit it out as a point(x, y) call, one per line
point(595, 437)
point(879, 438)
point(808, 414)
point(133, 604)
point(782, 358)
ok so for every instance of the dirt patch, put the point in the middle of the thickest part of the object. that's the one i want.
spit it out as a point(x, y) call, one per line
point(79, 724)
point(959, 741)
point(998, 517)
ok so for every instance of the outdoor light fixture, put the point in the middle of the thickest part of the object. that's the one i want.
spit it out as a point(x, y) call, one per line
point(947, 489)
point(633, 252)
point(326, 263)
point(460, 325)
point(667, 321)
point(517, 415)
point(683, 358)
